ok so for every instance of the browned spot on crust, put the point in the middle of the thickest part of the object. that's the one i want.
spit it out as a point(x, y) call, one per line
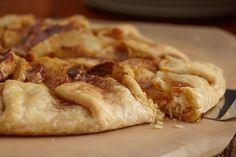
point(56, 78)
point(51, 77)
point(121, 52)
point(145, 82)
point(116, 33)
point(103, 69)
point(104, 83)
point(77, 72)
point(177, 85)
point(8, 57)
point(136, 63)
point(76, 51)
point(36, 73)
point(36, 34)
point(7, 65)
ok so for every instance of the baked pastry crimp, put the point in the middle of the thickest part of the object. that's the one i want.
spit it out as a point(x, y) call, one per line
point(69, 76)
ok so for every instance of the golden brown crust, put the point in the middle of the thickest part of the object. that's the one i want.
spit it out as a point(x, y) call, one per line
point(67, 76)
point(31, 110)
point(13, 28)
point(206, 80)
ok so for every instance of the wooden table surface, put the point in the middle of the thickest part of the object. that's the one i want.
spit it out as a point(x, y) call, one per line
point(64, 8)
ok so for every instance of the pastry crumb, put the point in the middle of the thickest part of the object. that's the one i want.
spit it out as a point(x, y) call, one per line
point(157, 126)
point(178, 126)
point(174, 119)
point(52, 139)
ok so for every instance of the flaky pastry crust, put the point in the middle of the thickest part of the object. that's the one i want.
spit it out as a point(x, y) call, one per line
point(68, 76)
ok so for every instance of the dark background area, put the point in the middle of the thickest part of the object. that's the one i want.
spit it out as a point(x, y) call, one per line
point(65, 8)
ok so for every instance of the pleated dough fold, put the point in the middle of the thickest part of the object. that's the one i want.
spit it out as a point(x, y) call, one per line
point(30, 109)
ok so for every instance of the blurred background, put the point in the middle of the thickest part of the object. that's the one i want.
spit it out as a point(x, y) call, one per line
point(218, 13)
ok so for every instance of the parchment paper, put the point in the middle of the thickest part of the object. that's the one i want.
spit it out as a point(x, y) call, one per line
point(203, 139)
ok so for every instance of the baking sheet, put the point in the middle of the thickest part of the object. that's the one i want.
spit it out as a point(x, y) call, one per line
point(203, 139)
